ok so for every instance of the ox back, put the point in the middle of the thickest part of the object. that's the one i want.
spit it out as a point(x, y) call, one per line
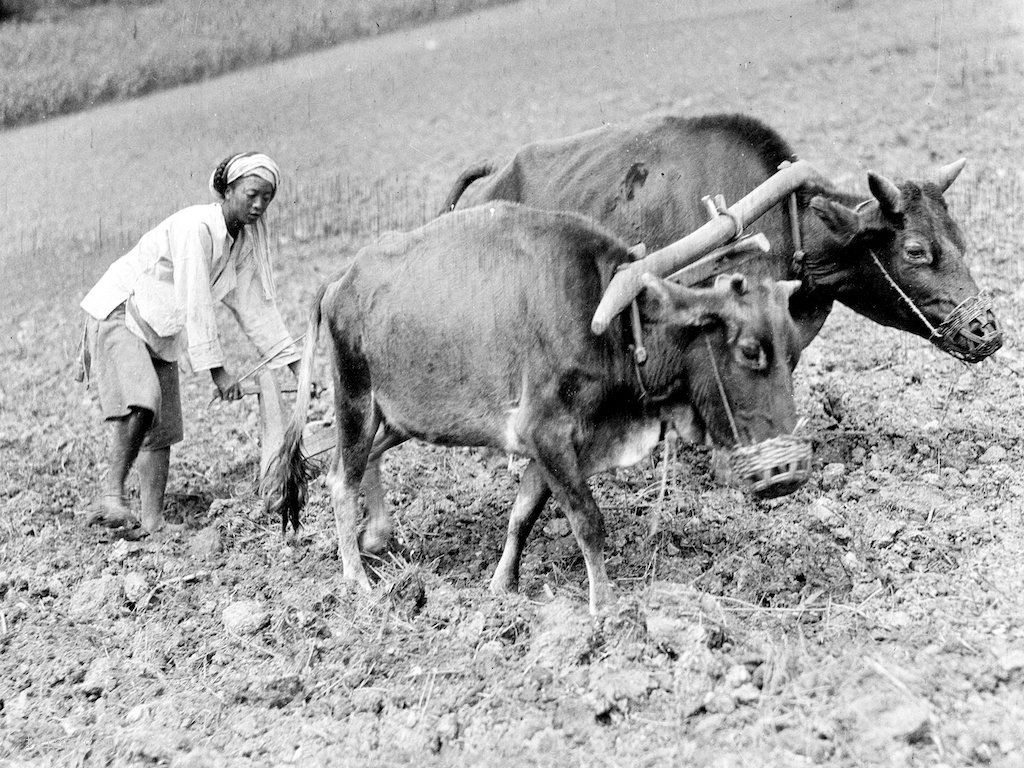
point(645, 180)
point(457, 318)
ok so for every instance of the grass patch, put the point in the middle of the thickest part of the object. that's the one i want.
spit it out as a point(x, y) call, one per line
point(67, 58)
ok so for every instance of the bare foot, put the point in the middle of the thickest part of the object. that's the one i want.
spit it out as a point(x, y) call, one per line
point(160, 525)
point(112, 512)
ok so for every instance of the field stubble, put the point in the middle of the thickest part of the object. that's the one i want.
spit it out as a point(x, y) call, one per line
point(67, 59)
point(872, 618)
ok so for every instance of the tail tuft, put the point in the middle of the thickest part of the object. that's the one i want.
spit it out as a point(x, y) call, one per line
point(285, 484)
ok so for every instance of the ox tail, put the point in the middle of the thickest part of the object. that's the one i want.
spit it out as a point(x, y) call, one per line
point(462, 183)
point(285, 485)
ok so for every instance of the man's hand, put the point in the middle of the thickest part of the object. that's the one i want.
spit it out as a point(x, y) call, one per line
point(227, 385)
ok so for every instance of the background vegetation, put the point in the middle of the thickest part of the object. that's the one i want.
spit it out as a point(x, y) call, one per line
point(61, 56)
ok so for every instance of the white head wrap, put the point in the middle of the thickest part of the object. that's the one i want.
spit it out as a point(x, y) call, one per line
point(254, 164)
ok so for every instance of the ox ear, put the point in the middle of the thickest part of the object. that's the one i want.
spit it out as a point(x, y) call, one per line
point(947, 174)
point(681, 306)
point(841, 221)
point(636, 252)
point(888, 195)
point(788, 287)
point(658, 288)
point(785, 290)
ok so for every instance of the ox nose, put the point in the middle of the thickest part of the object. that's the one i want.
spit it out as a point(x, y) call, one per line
point(971, 332)
point(980, 338)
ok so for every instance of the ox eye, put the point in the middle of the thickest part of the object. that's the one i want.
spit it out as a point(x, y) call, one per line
point(751, 355)
point(917, 252)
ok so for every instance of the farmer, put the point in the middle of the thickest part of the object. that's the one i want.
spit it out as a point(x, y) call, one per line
point(153, 310)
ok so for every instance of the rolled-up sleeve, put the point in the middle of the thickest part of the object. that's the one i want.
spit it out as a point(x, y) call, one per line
point(260, 318)
point(191, 251)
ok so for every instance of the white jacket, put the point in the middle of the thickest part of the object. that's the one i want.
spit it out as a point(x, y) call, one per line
point(174, 275)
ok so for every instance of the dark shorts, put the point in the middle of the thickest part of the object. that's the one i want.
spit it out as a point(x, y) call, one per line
point(127, 376)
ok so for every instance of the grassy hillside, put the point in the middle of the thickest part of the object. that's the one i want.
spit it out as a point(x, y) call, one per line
point(65, 60)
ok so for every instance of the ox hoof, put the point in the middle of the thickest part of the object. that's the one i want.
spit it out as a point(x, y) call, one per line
point(601, 599)
point(504, 583)
point(359, 579)
point(374, 541)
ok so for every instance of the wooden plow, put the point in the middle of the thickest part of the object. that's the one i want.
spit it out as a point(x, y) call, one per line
point(317, 437)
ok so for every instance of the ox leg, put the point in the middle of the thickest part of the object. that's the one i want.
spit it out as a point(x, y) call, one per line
point(379, 525)
point(533, 494)
point(563, 475)
point(357, 420)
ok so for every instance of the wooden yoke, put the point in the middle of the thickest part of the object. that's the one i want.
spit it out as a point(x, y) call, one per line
point(727, 225)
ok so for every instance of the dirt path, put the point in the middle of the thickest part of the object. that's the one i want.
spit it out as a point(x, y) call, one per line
point(876, 617)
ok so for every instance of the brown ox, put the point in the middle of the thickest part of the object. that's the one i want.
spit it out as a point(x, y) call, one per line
point(475, 330)
point(896, 257)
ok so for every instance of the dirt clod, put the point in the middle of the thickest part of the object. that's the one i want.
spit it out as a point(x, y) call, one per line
point(367, 700)
point(832, 475)
point(95, 598)
point(100, 677)
point(994, 454)
point(206, 543)
point(135, 586)
point(245, 617)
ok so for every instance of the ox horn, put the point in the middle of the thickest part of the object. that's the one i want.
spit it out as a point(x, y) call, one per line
point(627, 282)
point(947, 174)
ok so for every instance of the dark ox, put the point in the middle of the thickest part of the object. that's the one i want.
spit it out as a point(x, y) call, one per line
point(475, 330)
point(645, 181)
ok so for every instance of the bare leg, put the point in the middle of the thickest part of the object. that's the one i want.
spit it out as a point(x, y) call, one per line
point(153, 467)
point(379, 525)
point(128, 435)
point(533, 494)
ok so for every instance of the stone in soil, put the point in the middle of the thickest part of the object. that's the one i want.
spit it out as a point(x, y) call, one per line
point(993, 455)
point(95, 598)
point(245, 617)
point(135, 586)
point(206, 543)
point(100, 677)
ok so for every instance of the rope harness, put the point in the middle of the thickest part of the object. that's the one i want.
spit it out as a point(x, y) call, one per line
point(721, 393)
point(798, 246)
point(933, 332)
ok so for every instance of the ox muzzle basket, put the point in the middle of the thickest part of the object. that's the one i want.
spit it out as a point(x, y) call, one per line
point(771, 468)
point(970, 332)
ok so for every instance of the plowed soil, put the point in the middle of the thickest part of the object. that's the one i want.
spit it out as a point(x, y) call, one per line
point(875, 617)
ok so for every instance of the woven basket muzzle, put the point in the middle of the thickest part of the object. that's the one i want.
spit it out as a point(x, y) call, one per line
point(956, 337)
point(773, 467)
